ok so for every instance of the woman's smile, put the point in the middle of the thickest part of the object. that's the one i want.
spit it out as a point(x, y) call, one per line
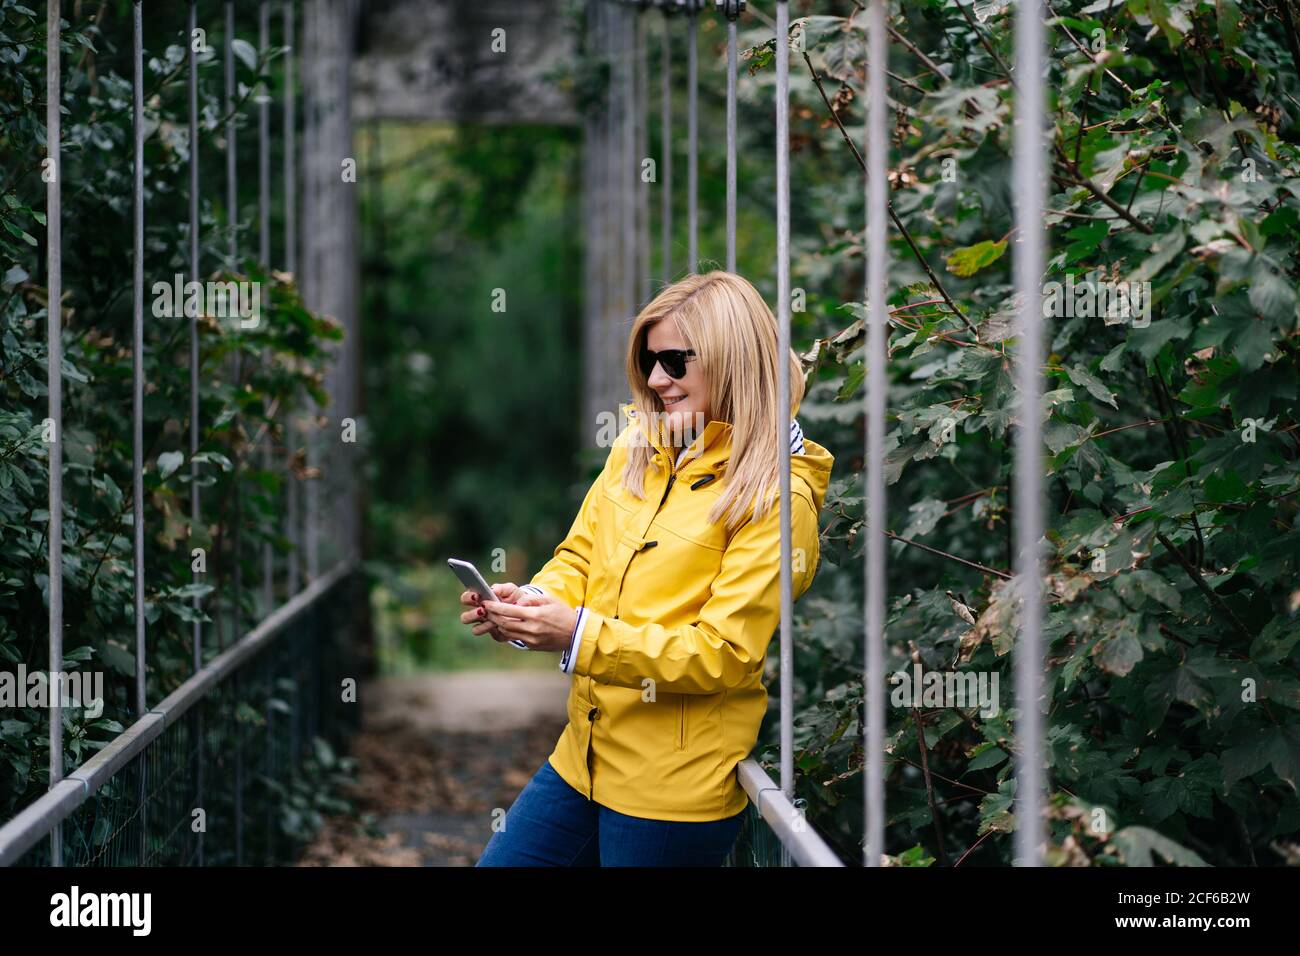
point(680, 408)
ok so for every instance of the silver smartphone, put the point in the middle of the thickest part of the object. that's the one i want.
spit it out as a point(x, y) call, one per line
point(470, 577)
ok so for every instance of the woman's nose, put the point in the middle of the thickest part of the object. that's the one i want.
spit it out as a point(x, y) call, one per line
point(658, 378)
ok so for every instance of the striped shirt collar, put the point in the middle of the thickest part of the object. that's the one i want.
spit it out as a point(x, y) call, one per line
point(796, 442)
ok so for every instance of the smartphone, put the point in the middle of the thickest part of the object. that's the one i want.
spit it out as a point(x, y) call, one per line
point(470, 577)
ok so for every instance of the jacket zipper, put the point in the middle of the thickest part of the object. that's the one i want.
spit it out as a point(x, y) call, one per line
point(671, 478)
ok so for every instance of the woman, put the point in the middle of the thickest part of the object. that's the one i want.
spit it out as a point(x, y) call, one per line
point(665, 594)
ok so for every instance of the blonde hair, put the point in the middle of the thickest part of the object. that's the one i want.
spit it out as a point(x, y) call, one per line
point(734, 334)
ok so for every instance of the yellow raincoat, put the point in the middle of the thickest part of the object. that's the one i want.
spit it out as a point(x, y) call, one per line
point(667, 693)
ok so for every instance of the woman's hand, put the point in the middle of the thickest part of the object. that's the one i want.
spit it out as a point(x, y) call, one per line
point(543, 622)
point(478, 617)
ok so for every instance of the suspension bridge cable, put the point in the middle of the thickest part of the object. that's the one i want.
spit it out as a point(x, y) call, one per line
point(692, 138)
point(731, 9)
point(666, 144)
point(876, 178)
point(137, 351)
point(54, 364)
point(1027, 268)
point(783, 380)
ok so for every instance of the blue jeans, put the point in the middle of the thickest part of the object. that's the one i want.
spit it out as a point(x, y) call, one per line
point(552, 824)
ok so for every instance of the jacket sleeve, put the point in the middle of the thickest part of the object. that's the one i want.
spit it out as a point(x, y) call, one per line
point(564, 576)
point(729, 640)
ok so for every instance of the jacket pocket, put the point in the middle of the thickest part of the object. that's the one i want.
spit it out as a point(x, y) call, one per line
point(680, 739)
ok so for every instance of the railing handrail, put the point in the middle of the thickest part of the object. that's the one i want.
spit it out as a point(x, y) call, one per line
point(35, 821)
point(804, 844)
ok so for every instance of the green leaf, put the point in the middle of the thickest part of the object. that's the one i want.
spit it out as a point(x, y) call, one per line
point(1271, 292)
point(1080, 376)
point(1139, 846)
point(922, 517)
point(1119, 654)
point(1086, 240)
point(967, 261)
point(168, 462)
point(118, 658)
point(215, 458)
point(246, 52)
point(1242, 761)
point(915, 856)
point(1228, 17)
point(19, 233)
point(988, 756)
point(1275, 641)
point(1283, 749)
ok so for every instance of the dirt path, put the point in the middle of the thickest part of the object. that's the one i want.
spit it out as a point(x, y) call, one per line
point(436, 756)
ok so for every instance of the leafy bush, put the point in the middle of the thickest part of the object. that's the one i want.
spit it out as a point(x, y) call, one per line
point(1173, 693)
point(281, 364)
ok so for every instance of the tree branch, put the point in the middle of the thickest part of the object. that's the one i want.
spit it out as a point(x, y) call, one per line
point(929, 787)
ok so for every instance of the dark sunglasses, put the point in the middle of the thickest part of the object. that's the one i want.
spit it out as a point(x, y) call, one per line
point(673, 360)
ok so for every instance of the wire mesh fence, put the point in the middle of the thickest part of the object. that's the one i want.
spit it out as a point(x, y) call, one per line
point(757, 845)
point(243, 746)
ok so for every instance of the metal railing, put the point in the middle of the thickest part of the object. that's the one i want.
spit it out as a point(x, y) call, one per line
point(260, 704)
point(774, 831)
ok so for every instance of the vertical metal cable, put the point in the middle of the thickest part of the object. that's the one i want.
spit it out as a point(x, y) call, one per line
point(344, 262)
point(732, 11)
point(312, 202)
point(614, 302)
point(1027, 175)
point(264, 244)
point(628, 176)
point(232, 197)
point(693, 139)
point(642, 149)
point(783, 382)
point(351, 306)
point(294, 571)
point(232, 217)
point(137, 350)
point(877, 172)
point(196, 513)
point(356, 372)
point(323, 502)
point(592, 309)
point(137, 401)
point(666, 145)
point(331, 517)
point(264, 260)
point(290, 148)
point(54, 362)
point(263, 138)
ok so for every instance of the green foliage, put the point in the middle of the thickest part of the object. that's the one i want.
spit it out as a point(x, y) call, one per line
point(281, 363)
point(1173, 682)
point(471, 317)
